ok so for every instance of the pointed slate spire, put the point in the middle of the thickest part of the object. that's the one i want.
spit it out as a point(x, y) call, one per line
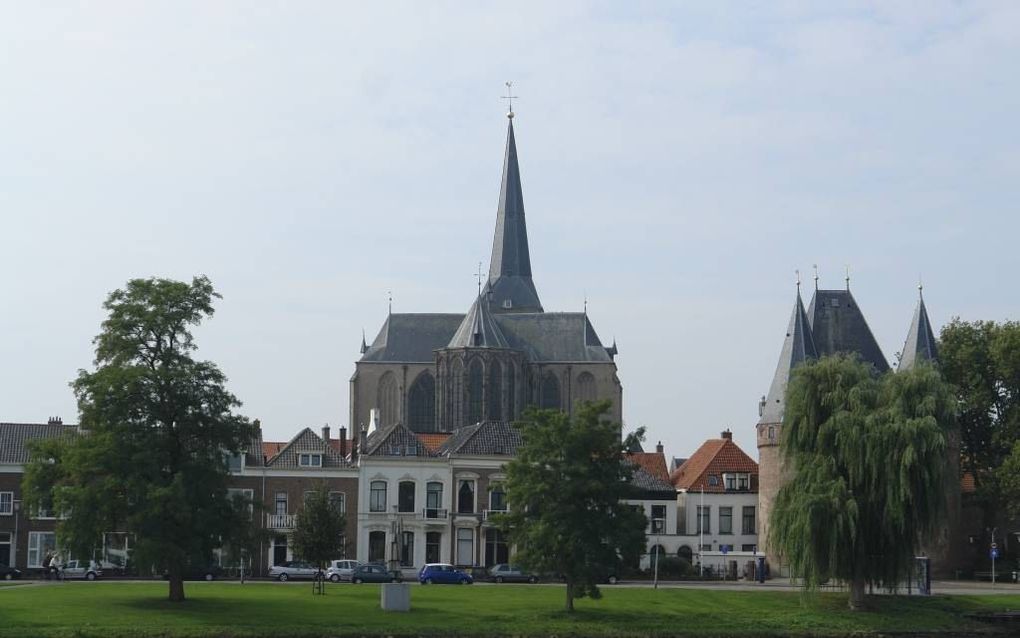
point(364, 344)
point(838, 325)
point(510, 267)
point(798, 346)
point(479, 328)
point(920, 345)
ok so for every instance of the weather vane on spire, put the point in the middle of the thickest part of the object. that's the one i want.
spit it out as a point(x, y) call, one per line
point(509, 97)
point(815, 266)
point(797, 272)
point(479, 276)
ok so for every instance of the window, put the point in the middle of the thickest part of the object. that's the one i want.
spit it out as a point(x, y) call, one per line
point(406, 549)
point(731, 481)
point(6, 503)
point(685, 552)
point(432, 542)
point(713, 480)
point(704, 522)
point(466, 497)
point(310, 460)
point(749, 526)
point(474, 412)
point(743, 482)
point(5, 549)
point(405, 496)
point(658, 519)
point(387, 399)
point(495, 398)
point(496, 549)
point(376, 547)
point(497, 498)
point(41, 545)
point(245, 495)
point(235, 463)
point(339, 501)
point(377, 497)
point(586, 387)
point(725, 520)
point(550, 392)
point(465, 545)
point(433, 499)
point(772, 433)
point(281, 503)
point(749, 548)
point(422, 403)
point(707, 547)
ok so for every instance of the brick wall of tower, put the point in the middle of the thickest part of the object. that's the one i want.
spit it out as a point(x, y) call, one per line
point(772, 474)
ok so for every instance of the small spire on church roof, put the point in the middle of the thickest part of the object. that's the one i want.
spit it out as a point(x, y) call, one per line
point(848, 277)
point(364, 344)
point(815, 266)
point(389, 294)
point(920, 344)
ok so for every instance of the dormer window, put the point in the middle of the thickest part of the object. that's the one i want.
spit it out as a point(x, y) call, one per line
point(731, 481)
point(713, 480)
point(235, 463)
point(310, 460)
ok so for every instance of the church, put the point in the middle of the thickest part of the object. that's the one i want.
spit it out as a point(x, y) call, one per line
point(437, 372)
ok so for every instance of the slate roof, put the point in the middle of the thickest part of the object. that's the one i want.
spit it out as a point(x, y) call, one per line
point(254, 454)
point(510, 266)
point(479, 328)
point(798, 346)
point(488, 438)
point(396, 440)
point(650, 485)
point(306, 441)
point(412, 337)
point(676, 462)
point(920, 344)
point(838, 325)
point(714, 457)
point(15, 437)
point(654, 463)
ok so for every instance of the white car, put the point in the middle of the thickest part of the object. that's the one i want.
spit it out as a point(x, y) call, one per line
point(339, 570)
point(87, 569)
point(292, 569)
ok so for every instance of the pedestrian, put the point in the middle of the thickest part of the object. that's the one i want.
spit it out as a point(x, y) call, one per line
point(46, 565)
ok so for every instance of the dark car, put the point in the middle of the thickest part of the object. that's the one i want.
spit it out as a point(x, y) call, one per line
point(373, 574)
point(504, 573)
point(9, 573)
point(443, 574)
point(212, 572)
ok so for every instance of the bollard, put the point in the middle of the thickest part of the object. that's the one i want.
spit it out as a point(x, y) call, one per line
point(395, 597)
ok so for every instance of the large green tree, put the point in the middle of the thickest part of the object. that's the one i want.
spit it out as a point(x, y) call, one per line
point(566, 491)
point(319, 528)
point(156, 428)
point(981, 360)
point(867, 455)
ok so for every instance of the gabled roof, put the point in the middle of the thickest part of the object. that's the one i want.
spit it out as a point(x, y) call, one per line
point(15, 438)
point(652, 462)
point(306, 442)
point(395, 440)
point(838, 325)
point(510, 266)
point(714, 457)
point(479, 329)
point(412, 337)
point(488, 438)
point(920, 344)
point(798, 346)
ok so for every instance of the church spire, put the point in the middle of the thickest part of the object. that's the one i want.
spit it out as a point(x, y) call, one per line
point(920, 345)
point(798, 346)
point(510, 267)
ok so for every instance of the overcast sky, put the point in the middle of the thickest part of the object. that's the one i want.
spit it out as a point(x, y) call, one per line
point(679, 163)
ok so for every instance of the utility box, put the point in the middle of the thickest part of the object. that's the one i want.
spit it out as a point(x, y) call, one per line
point(395, 597)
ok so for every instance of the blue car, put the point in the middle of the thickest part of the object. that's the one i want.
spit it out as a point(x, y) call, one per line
point(443, 574)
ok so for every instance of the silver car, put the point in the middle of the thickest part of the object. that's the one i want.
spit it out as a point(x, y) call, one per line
point(339, 570)
point(293, 569)
point(87, 569)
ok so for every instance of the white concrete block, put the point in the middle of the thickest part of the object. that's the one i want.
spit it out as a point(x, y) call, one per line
point(395, 597)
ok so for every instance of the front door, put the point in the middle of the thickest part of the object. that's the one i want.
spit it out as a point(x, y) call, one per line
point(279, 550)
point(5, 549)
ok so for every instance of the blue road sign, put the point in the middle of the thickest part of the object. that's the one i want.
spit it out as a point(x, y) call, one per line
point(994, 553)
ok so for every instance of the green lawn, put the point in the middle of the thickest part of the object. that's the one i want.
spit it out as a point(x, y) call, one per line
point(262, 609)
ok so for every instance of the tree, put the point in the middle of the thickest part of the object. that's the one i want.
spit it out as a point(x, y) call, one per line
point(566, 491)
point(157, 427)
point(319, 527)
point(981, 360)
point(867, 455)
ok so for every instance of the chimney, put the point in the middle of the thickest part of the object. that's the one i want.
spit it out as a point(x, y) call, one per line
point(373, 420)
point(726, 434)
point(343, 441)
point(659, 449)
point(55, 420)
point(325, 433)
point(258, 425)
point(362, 439)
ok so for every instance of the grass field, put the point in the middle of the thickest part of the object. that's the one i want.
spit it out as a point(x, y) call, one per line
point(263, 609)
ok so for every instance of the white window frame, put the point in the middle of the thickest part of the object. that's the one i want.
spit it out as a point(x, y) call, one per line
point(460, 540)
point(6, 503)
point(385, 496)
point(743, 482)
point(342, 500)
point(313, 460)
point(37, 547)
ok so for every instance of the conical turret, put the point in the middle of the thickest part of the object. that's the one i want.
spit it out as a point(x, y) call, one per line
point(798, 346)
point(920, 344)
point(479, 329)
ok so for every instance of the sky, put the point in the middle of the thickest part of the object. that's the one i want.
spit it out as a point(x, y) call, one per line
point(680, 162)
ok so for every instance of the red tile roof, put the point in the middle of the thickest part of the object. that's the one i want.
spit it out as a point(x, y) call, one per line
point(432, 440)
point(714, 457)
point(272, 448)
point(652, 462)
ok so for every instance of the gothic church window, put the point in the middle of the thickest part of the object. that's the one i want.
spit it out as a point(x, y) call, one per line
point(387, 400)
point(495, 392)
point(422, 403)
point(474, 392)
point(551, 392)
point(511, 392)
point(586, 387)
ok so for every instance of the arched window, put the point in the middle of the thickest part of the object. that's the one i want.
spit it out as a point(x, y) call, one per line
point(657, 550)
point(466, 497)
point(422, 403)
point(551, 392)
point(511, 392)
point(495, 392)
point(474, 392)
point(387, 399)
point(586, 387)
point(456, 393)
point(685, 552)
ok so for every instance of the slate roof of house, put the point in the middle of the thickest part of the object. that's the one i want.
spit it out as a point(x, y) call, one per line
point(395, 440)
point(838, 325)
point(306, 441)
point(676, 462)
point(254, 453)
point(488, 438)
point(798, 346)
point(654, 463)
point(650, 475)
point(15, 437)
point(714, 457)
point(920, 344)
point(479, 328)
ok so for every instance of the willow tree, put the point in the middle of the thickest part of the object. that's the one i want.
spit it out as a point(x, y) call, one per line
point(867, 455)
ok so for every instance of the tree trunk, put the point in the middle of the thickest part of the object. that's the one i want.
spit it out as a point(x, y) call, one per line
point(570, 598)
point(176, 579)
point(857, 593)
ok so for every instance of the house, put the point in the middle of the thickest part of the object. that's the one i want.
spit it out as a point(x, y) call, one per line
point(717, 502)
point(652, 491)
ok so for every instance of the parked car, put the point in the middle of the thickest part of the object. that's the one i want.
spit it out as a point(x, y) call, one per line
point(443, 574)
point(212, 572)
point(374, 574)
point(504, 573)
point(9, 573)
point(87, 569)
point(341, 570)
point(293, 569)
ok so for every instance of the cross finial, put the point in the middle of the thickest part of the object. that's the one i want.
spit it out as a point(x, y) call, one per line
point(389, 294)
point(478, 275)
point(815, 266)
point(509, 97)
point(797, 272)
point(848, 277)
point(920, 288)
point(586, 304)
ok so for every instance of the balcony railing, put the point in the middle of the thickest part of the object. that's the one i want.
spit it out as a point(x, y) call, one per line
point(434, 513)
point(488, 514)
point(280, 521)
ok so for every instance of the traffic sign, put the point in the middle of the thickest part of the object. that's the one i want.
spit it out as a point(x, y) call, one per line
point(994, 553)
point(994, 546)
